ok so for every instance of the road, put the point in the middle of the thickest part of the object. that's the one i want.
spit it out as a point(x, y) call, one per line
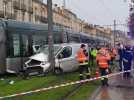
point(119, 89)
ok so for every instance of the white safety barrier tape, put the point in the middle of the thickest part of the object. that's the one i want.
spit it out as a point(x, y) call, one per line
point(63, 85)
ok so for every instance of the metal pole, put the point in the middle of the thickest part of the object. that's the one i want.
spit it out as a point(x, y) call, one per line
point(114, 32)
point(50, 34)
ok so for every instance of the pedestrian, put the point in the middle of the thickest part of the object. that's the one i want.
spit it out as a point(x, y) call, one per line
point(120, 53)
point(93, 53)
point(132, 67)
point(82, 57)
point(113, 53)
point(127, 61)
point(102, 59)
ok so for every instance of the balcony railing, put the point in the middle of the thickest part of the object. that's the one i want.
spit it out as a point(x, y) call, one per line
point(16, 5)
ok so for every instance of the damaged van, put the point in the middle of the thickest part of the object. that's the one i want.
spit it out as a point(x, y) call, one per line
point(65, 59)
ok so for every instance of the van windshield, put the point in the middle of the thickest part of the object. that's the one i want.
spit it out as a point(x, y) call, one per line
point(45, 49)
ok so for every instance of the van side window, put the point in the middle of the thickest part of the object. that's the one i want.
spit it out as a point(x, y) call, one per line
point(67, 52)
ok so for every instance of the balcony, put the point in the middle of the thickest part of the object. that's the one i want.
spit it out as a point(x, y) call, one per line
point(1, 14)
point(23, 7)
point(8, 15)
point(16, 5)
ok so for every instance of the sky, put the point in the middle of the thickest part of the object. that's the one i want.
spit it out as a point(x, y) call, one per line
point(99, 12)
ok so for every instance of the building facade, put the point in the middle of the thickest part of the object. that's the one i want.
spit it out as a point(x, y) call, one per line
point(35, 11)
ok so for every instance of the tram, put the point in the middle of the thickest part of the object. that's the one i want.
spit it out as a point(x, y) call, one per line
point(17, 40)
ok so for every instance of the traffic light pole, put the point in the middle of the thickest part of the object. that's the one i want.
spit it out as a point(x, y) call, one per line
point(50, 34)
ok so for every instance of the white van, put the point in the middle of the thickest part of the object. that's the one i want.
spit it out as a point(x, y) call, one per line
point(65, 58)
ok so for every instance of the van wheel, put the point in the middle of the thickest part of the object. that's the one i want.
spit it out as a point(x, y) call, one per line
point(58, 71)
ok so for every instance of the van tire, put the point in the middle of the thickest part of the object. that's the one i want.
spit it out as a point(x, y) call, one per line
point(58, 71)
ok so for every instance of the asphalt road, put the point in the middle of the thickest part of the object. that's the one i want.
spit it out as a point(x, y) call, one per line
point(119, 89)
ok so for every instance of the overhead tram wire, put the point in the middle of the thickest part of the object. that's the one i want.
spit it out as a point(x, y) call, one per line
point(116, 24)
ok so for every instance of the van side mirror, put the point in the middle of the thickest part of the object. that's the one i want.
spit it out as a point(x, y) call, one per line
point(36, 48)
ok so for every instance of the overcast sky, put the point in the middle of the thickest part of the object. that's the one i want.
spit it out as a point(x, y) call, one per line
point(101, 12)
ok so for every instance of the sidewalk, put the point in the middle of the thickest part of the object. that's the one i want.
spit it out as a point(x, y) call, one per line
point(119, 89)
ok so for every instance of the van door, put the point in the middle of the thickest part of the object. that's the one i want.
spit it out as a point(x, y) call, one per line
point(65, 59)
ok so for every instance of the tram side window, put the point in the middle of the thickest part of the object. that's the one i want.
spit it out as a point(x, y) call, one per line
point(74, 38)
point(65, 38)
point(16, 45)
point(85, 39)
point(25, 45)
point(57, 38)
point(38, 40)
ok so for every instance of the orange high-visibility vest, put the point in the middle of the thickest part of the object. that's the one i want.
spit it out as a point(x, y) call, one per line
point(103, 60)
point(81, 57)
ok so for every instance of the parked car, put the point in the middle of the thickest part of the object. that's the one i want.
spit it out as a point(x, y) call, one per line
point(65, 59)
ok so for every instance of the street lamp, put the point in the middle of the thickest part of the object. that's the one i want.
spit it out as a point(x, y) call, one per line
point(50, 35)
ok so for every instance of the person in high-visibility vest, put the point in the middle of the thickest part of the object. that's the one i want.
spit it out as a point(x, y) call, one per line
point(82, 57)
point(102, 59)
point(93, 53)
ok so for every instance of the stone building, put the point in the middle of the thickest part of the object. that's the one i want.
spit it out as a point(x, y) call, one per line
point(35, 11)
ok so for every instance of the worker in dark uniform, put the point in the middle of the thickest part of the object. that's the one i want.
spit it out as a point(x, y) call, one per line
point(127, 61)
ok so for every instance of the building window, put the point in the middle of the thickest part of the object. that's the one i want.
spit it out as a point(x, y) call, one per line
point(15, 14)
point(30, 17)
point(23, 16)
